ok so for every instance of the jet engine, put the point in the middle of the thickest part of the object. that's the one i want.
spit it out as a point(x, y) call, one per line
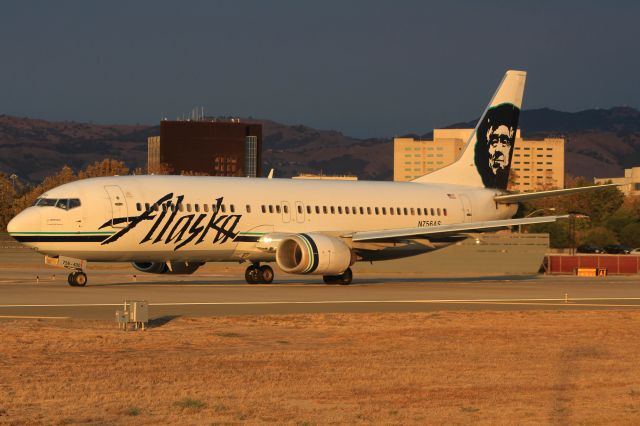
point(315, 254)
point(167, 267)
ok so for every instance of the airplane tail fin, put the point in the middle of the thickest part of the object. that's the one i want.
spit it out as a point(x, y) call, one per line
point(486, 158)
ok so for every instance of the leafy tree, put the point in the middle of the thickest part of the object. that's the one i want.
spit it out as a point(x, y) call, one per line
point(630, 235)
point(7, 197)
point(598, 236)
point(559, 234)
point(106, 167)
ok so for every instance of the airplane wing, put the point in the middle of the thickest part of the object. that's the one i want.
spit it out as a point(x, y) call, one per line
point(515, 198)
point(448, 230)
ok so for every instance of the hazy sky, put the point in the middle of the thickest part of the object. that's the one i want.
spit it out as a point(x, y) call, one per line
point(366, 68)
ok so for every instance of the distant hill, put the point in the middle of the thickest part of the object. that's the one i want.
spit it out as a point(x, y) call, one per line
point(600, 143)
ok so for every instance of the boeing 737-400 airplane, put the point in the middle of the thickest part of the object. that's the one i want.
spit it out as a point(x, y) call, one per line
point(174, 224)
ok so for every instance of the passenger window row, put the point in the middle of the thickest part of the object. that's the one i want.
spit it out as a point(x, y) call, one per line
point(284, 209)
point(188, 207)
point(376, 211)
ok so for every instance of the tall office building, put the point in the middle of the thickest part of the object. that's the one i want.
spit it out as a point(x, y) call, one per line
point(212, 147)
point(537, 164)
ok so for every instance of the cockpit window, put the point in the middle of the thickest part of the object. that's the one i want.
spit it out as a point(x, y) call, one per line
point(61, 203)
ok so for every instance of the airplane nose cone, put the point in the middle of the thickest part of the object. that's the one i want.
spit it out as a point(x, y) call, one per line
point(26, 222)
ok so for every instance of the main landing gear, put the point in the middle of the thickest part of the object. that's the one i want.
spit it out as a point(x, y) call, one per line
point(77, 279)
point(343, 279)
point(259, 274)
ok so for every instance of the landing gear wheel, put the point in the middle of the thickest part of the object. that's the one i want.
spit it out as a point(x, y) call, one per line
point(77, 279)
point(346, 277)
point(81, 279)
point(252, 274)
point(343, 279)
point(266, 274)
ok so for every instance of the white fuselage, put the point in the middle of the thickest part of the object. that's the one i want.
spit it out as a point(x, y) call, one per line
point(220, 218)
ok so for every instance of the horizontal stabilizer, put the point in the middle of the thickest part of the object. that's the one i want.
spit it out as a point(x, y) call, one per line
point(526, 196)
point(443, 230)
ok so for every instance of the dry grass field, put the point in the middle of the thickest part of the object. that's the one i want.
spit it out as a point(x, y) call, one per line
point(454, 368)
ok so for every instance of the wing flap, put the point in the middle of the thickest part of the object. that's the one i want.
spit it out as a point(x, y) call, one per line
point(444, 230)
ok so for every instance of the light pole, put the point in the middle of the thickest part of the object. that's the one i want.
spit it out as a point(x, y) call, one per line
point(551, 209)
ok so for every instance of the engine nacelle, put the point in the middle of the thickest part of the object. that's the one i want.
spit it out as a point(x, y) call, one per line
point(167, 267)
point(316, 254)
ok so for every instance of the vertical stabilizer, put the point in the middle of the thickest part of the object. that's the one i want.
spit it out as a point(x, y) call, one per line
point(486, 159)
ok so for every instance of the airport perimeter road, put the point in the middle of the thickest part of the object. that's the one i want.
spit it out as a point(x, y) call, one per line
point(209, 294)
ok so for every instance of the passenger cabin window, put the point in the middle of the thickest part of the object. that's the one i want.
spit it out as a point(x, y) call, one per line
point(391, 211)
point(333, 210)
point(324, 209)
point(368, 210)
point(278, 209)
point(346, 210)
point(248, 208)
point(286, 209)
point(433, 212)
point(438, 212)
point(262, 207)
point(196, 207)
point(317, 209)
point(232, 208)
point(384, 210)
point(299, 209)
point(340, 209)
point(270, 208)
point(308, 209)
point(444, 212)
point(189, 208)
point(138, 207)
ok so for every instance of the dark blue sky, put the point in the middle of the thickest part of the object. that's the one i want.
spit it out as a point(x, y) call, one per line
point(366, 68)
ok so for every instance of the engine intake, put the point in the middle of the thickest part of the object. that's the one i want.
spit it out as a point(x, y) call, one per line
point(316, 254)
point(167, 267)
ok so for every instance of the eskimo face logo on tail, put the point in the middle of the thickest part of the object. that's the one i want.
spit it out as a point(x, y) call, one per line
point(169, 228)
point(494, 147)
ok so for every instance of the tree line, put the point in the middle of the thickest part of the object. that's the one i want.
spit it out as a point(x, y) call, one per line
point(608, 217)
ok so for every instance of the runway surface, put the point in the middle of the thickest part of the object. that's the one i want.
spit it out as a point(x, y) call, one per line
point(224, 292)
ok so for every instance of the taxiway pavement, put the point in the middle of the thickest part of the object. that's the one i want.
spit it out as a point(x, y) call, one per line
point(36, 291)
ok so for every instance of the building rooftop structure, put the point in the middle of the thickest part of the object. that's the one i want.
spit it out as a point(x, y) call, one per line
point(629, 183)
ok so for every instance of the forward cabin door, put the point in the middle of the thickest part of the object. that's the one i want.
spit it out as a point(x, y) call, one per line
point(467, 214)
point(119, 213)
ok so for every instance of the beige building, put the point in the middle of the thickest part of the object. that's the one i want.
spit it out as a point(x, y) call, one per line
point(153, 154)
point(537, 164)
point(629, 184)
point(413, 158)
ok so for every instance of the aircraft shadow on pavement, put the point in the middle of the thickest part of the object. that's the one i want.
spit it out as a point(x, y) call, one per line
point(366, 281)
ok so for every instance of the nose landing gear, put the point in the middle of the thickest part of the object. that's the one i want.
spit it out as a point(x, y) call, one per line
point(259, 274)
point(77, 279)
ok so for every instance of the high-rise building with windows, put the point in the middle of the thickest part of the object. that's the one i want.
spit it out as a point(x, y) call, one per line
point(211, 147)
point(537, 164)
